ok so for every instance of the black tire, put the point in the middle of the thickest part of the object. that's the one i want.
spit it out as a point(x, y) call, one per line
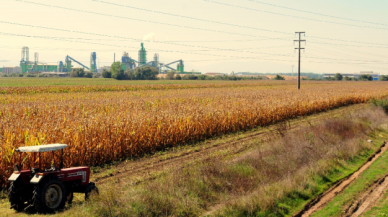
point(17, 196)
point(90, 190)
point(49, 195)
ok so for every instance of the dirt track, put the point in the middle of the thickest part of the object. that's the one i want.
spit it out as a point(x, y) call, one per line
point(369, 198)
point(364, 202)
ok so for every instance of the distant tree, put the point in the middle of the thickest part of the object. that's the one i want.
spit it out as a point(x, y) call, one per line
point(29, 75)
point(338, 77)
point(189, 77)
point(278, 77)
point(383, 78)
point(145, 73)
point(88, 75)
point(346, 78)
point(106, 74)
point(77, 72)
point(365, 78)
point(96, 75)
point(129, 74)
point(170, 75)
point(117, 71)
point(178, 77)
point(202, 77)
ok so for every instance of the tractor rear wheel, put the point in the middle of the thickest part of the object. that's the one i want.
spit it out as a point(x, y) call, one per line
point(90, 190)
point(49, 195)
point(17, 196)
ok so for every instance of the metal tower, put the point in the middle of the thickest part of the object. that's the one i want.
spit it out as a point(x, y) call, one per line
point(93, 62)
point(25, 60)
point(180, 67)
point(142, 55)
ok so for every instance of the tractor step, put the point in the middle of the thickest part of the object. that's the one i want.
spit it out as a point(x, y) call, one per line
point(29, 206)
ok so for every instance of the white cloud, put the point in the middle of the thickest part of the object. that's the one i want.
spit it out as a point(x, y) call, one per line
point(149, 37)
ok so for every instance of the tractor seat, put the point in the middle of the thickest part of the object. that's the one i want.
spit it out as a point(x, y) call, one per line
point(35, 170)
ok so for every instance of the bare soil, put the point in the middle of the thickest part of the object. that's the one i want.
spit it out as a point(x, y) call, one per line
point(369, 198)
point(366, 201)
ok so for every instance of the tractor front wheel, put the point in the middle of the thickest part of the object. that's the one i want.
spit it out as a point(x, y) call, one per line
point(49, 195)
point(17, 196)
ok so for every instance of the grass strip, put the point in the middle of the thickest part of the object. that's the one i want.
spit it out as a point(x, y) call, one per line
point(376, 171)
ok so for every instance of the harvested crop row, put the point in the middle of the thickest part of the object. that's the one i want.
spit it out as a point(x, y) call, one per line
point(104, 126)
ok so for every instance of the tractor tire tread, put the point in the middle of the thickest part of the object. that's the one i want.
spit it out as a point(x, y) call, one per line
point(39, 205)
point(14, 197)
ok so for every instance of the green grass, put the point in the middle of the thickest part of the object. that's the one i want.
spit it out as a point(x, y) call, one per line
point(381, 208)
point(33, 82)
point(295, 200)
point(377, 170)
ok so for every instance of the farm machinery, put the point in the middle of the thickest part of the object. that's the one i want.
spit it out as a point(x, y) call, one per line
point(47, 189)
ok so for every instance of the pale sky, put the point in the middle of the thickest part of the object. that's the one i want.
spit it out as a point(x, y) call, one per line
point(208, 35)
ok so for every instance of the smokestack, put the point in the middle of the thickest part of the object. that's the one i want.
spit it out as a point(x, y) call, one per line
point(114, 58)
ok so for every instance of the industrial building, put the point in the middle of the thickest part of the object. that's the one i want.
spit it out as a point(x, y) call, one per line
point(128, 62)
point(375, 76)
point(8, 70)
point(27, 65)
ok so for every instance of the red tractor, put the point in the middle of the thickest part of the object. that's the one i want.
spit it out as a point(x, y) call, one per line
point(47, 190)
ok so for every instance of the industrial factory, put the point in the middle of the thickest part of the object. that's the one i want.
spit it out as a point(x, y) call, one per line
point(28, 66)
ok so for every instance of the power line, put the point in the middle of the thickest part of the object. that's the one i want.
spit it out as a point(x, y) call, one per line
point(195, 28)
point(319, 14)
point(195, 46)
point(353, 52)
point(55, 38)
point(169, 51)
point(286, 15)
point(211, 21)
point(160, 23)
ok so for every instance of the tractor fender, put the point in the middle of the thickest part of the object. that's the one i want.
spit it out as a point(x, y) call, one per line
point(37, 178)
point(14, 177)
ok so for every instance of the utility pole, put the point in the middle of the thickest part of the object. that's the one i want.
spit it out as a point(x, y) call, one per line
point(300, 34)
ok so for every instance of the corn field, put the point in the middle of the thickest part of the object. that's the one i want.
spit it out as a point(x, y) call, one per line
point(107, 123)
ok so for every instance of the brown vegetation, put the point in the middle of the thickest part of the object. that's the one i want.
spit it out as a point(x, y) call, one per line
point(101, 127)
point(270, 179)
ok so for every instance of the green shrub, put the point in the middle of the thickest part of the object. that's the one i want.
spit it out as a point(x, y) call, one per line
point(96, 75)
point(88, 75)
point(170, 75)
point(365, 78)
point(106, 73)
point(383, 78)
point(278, 77)
point(381, 103)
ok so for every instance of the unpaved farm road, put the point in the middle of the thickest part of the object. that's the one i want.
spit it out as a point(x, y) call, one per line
point(365, 201)
point(369, 198)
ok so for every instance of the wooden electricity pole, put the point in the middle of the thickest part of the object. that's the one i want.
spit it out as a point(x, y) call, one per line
point(299, 48)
